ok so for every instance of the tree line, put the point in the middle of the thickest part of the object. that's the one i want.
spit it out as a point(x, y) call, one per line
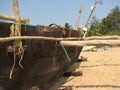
point(110, 25)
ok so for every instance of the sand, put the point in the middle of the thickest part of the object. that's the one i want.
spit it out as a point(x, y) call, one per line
point(100, 72)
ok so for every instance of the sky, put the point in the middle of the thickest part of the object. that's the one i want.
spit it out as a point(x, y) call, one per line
point(45, 12)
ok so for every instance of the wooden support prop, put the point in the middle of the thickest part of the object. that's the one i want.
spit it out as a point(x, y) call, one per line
point(5, 17)
point(102, 37)
point(91, 42)
point(6, 39)
point(78, 20)
point(65, 41)
point(18, 18)
point(29, 38)
point(92, 10)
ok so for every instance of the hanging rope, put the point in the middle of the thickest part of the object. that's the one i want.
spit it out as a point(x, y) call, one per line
point(18, 48)
point(11, 71)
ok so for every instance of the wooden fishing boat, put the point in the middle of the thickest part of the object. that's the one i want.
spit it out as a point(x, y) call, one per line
point(39, 59)
point(44, 61)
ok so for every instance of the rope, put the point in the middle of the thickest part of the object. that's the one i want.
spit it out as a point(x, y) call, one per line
point(21, 57)
point(18, 49)
point(66, 54)
point(11, 71)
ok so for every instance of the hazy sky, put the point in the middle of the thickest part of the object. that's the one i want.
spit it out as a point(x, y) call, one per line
point(45, 12)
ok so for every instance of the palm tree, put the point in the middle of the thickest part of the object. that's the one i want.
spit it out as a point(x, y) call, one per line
point(67, 26)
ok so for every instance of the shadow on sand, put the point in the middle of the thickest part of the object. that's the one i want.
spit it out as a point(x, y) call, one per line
point(63, 80)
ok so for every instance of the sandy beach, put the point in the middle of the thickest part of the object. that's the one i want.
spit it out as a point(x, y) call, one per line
point(100, 72)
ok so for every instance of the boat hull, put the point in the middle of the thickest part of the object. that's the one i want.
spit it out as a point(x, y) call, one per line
point(44, 61)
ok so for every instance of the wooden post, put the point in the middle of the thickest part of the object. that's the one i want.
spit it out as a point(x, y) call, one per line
point(18, 18)
point(92, 10)
point(78, 20)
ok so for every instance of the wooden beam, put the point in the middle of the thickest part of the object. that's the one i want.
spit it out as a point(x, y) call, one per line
point(5, 17)
point(91, 42)
point(32, 38)
point(64, 41)
point(102, 37)
point(7, 39)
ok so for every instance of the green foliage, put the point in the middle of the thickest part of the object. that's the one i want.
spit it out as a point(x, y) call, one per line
point(109, 25)
point(94, 29)
point(67, 26)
